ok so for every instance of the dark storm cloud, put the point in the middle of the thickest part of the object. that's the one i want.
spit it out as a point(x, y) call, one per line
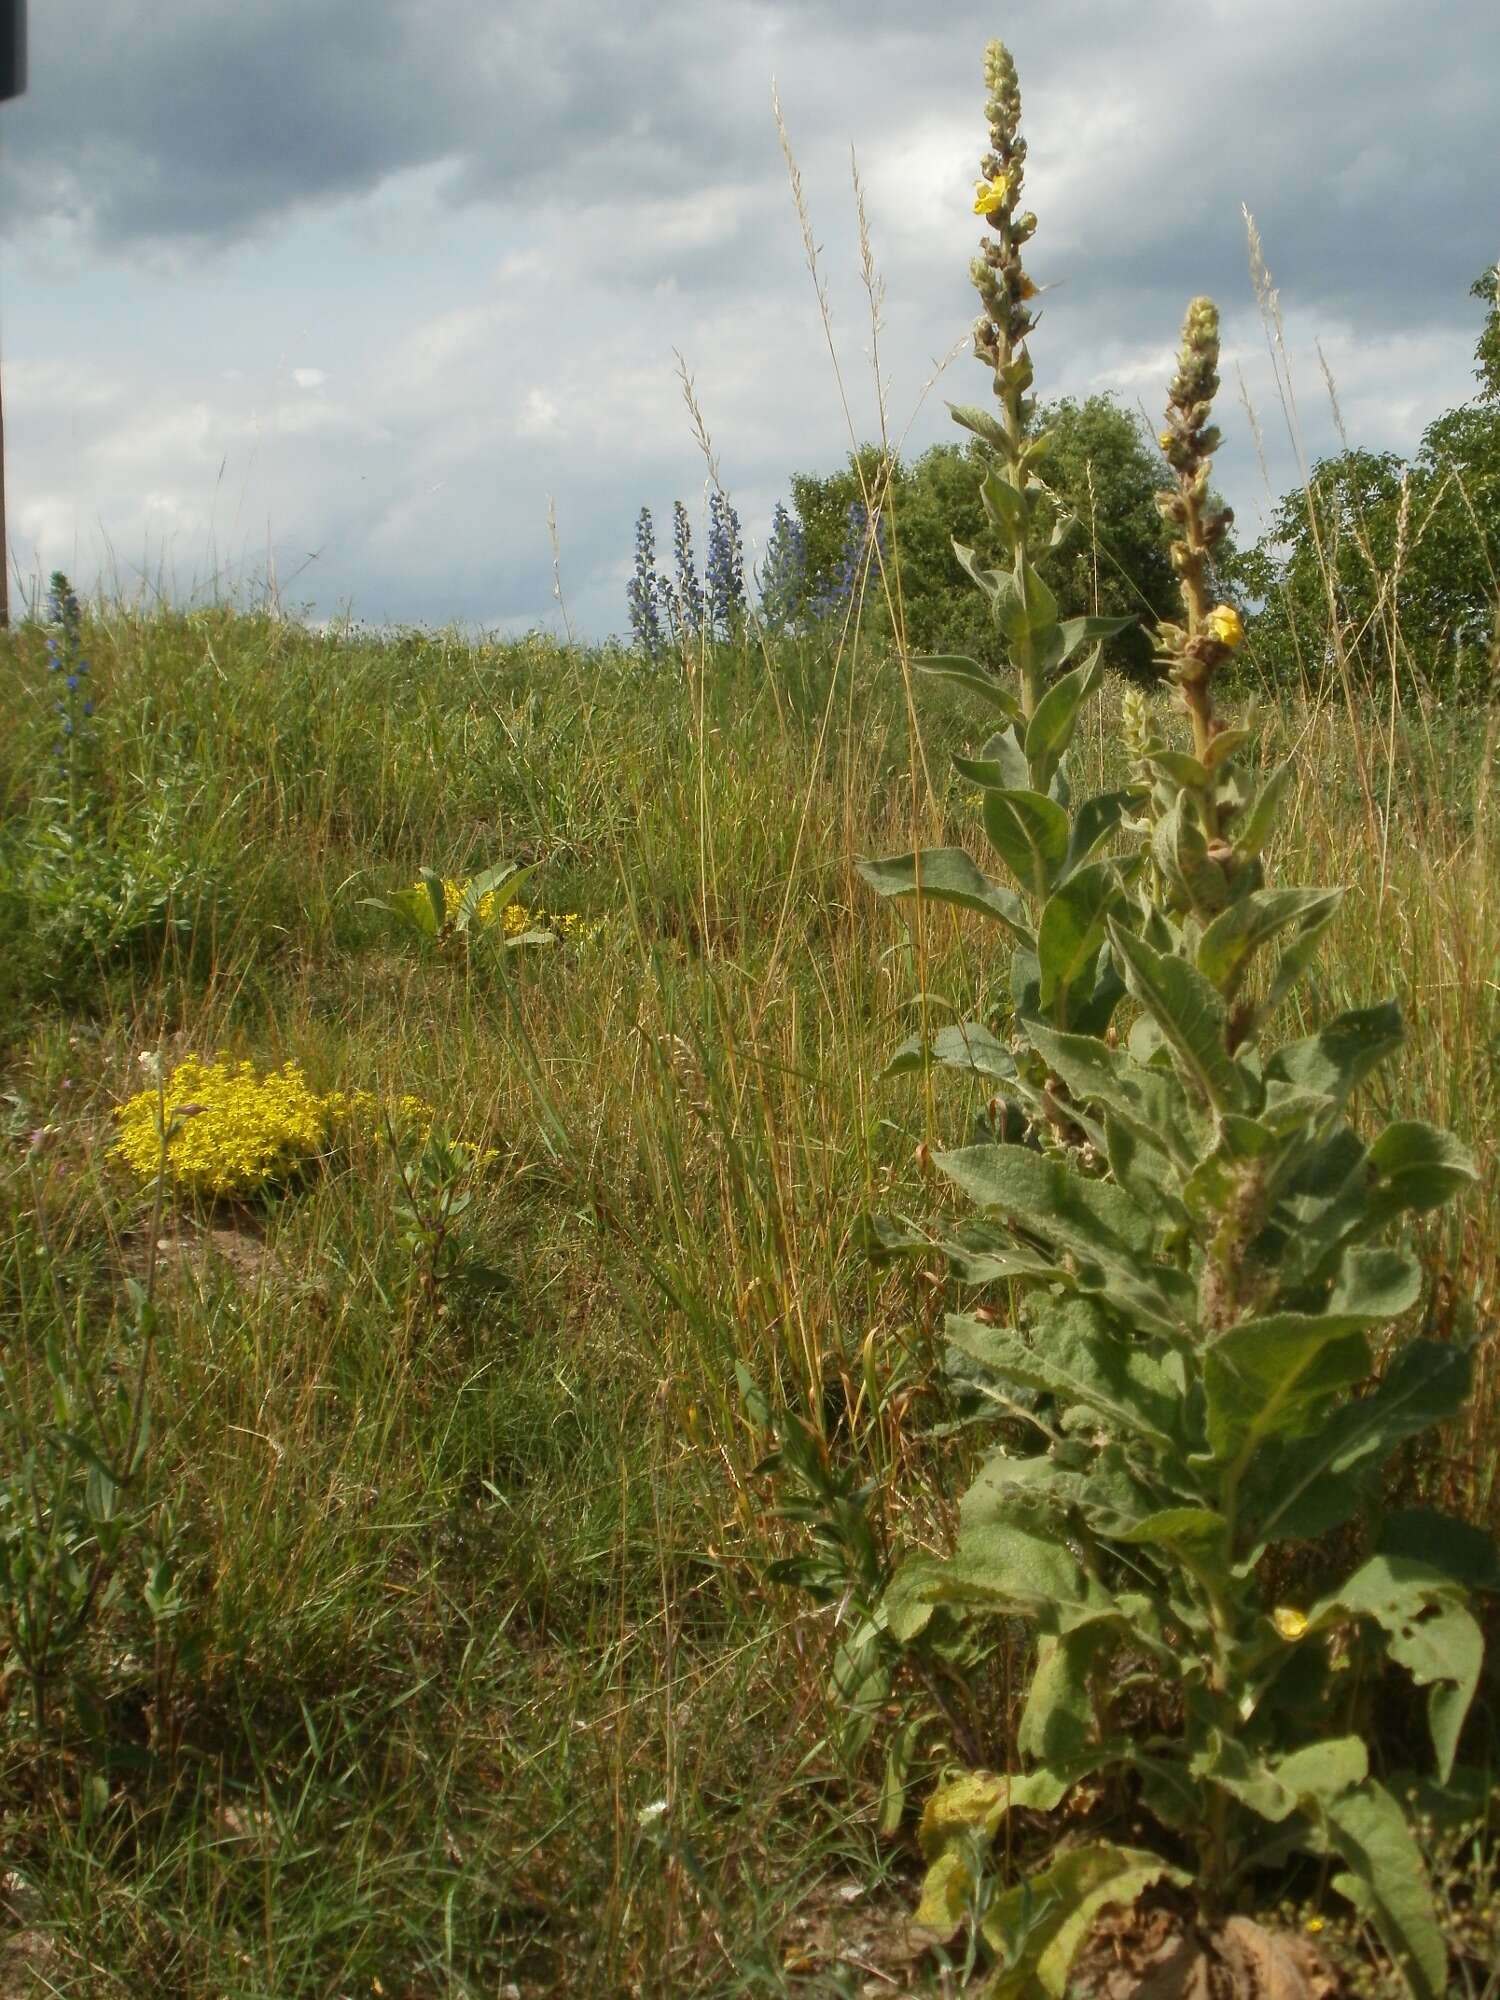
point(1364, 143)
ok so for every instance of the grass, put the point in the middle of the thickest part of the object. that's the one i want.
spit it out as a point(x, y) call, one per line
point(476, 1682)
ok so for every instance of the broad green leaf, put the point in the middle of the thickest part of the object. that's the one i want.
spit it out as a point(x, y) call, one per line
point(1429, 1631)
point(1236, 934)
point(983, 423)
point(1150, 1103)
point(1296, 956)
point(993, 582)
point(1307, 1486)
point(1008, 1568)
point(1070, 934)
point(1059, 1721)
point(1047, 1196)
point(947, 875)
point(980, 1254)
point(1336, 1059)
point(1260, 822)
point(1039, 1926)
point(1275, 1788)
point(1076, 632)
point(1190, 1015)
point(1181, 769)
point(1455, 1549)
point(967, 673)
point(1422, 1167)
point(1272, 1377)
point(1072, 1355)
point(966, 1045)
point(1180, 849)
point(1093, 823)
point(1191, 1528)
point(1024, 604)
point(1100, 1225)
point(436, 897)
point(1369, 1830)
point(1056, 716)
point(1005, 504)
point(1376, 1285)
point(1030, 834)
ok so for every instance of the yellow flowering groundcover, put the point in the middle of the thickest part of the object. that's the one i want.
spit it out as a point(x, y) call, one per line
point(515, 918)
point(232, 1131)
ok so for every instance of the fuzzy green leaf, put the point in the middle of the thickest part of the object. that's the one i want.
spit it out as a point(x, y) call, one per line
point(983, 423)
point(1040, 1924)
point(966, 1045)
point(947, 875)
point(1050, 730)
point(1072, 1355)
point(1389, 1884)
point(1273, 1376)
point(1030, 834)
point(1236, 934)
point(1259, 822)
point(967, 673)
point(1421, 1167)
point(1429, 1631)
point(1302, 1488)
point(1150, 1103)
point(1023, 604)
point(1189, 1014)
point(1342, 1053)
point(1093, 823)
point(1071, 934)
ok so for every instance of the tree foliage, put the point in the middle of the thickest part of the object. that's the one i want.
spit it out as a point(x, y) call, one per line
point(1382, 562)
point(1099, 462)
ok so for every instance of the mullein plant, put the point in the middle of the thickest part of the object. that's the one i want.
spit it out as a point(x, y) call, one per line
point(1182, 1258)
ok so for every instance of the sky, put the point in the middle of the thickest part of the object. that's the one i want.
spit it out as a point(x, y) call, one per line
point(342, 298)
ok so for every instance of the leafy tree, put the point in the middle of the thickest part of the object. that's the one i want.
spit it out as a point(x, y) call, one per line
point(1381, 560)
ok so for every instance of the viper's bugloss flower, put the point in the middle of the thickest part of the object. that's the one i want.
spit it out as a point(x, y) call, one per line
point(1226, 625)
point(644, 594)
point(989, 196)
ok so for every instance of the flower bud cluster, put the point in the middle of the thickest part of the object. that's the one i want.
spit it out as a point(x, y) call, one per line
point(997, 273)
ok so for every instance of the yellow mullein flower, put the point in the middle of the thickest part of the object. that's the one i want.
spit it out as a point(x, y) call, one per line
point(1164, 439)
point(1290, 1624)
point(1226, 625)
point(990, 195)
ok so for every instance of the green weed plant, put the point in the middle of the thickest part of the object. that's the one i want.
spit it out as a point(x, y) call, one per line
point(1185, 1255)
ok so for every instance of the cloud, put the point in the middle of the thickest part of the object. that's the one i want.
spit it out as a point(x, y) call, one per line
point(493, 227)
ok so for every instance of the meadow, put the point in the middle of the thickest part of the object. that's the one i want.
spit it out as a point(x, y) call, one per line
point(460, 1666)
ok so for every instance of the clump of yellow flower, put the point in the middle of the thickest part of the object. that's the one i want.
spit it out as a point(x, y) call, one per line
point(232, 1131)
point(515, 918)
point(990, 195)
point(229, 1130)
point(1226, 625)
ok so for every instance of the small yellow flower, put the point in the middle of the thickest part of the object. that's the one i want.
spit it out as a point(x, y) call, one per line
point(990, 195)
point(1164, 439)
point(1313, 1926)
point(1289, 1623)
point(1226, 625)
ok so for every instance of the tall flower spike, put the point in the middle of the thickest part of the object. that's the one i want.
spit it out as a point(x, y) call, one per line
point(1189, 440)
point(999, 278)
